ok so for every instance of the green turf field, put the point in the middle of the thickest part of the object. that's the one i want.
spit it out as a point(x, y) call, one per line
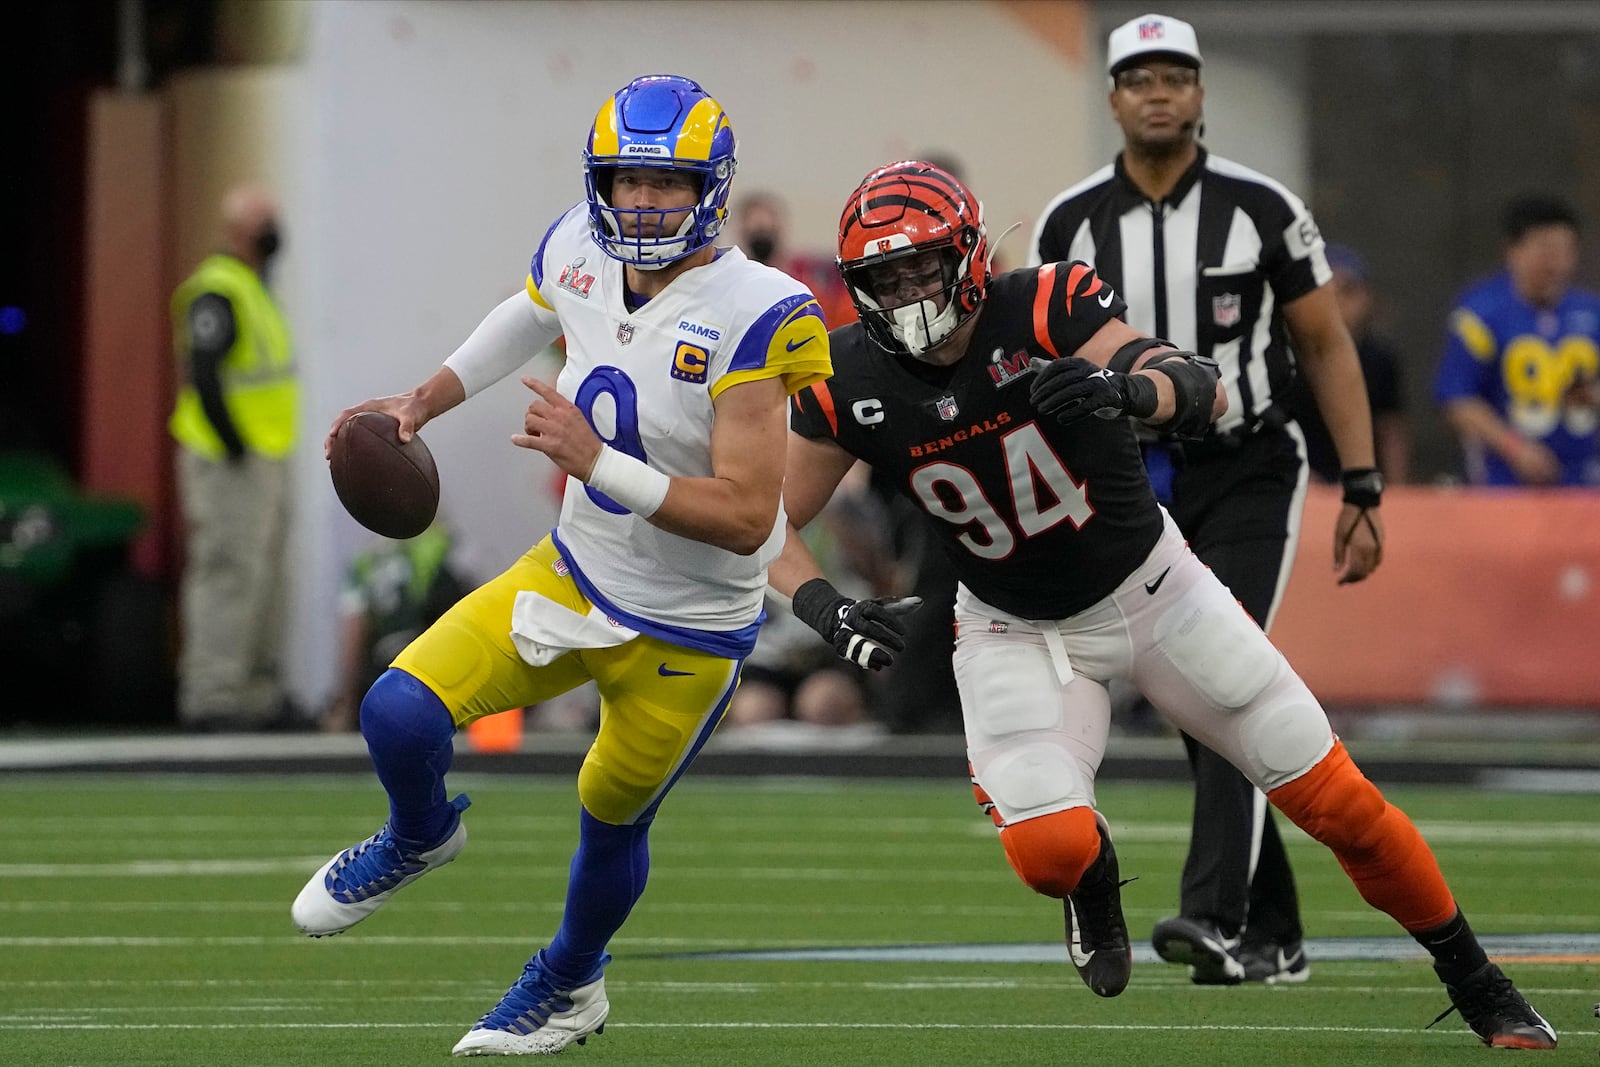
point(145, 921)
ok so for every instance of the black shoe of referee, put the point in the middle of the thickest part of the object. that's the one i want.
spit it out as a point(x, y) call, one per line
point(1212, 956)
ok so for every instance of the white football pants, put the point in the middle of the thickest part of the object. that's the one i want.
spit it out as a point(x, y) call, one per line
point(1036, 707)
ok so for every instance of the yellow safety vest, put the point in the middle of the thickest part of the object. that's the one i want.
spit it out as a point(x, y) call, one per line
point(257, 373)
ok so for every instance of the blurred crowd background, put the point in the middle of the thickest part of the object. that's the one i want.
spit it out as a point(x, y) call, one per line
point(419, 148)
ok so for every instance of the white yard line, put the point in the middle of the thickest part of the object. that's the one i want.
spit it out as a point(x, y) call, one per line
point(988, 1027)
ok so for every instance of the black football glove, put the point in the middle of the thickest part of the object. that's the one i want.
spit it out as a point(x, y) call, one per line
point(1072, 389)
point(868, 633)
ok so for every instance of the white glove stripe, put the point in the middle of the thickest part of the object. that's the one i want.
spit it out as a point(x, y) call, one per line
point(858, 650)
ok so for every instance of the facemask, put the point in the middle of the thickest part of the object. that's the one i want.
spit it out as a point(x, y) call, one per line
point(762, 246)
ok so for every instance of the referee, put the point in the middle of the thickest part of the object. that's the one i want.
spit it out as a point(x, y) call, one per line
point(1226, 262)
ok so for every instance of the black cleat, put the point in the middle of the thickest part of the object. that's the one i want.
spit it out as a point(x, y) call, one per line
point(1273, 963)
point(1213, 958)
point(1097, 935)
point(1497, 1013)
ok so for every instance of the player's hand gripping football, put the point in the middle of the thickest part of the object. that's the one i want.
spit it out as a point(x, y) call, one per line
point(408, 410)
point(867, 633)
point(1072, 389)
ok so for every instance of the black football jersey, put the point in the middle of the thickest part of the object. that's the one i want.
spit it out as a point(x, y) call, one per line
point(1041, 520)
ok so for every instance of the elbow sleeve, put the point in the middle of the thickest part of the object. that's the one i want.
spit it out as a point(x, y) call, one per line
point(1194, 386)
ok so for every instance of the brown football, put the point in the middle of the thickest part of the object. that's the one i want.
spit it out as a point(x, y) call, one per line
point(390, 488)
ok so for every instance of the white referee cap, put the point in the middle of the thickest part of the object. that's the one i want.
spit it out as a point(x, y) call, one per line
point(1151, 35)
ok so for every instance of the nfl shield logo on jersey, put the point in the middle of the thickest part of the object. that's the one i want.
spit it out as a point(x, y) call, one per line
point(946, 407)
point(624, 333)
point(1226, 309)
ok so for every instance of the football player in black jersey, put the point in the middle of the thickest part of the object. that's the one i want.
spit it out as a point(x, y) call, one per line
point(999, 405)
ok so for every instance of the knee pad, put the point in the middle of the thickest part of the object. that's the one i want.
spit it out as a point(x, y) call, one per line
point(1030, 780)
point(1051, 852)
point(452, 658)
point(611, 798)
point(1283, 732)
point(399, 707)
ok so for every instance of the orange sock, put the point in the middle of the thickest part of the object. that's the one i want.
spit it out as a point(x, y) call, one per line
point(1375, 842)
point(1051, 852)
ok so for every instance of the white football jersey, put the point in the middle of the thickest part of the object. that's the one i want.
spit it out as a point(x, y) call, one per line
point(646, 379)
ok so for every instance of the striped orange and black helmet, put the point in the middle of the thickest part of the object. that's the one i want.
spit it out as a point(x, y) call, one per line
point(908, 209)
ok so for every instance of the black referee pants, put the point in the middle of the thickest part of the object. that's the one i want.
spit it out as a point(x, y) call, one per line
point(1237, 505)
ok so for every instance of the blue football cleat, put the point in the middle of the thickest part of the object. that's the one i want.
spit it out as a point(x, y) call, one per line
point(538, 1017)
point(356, 882)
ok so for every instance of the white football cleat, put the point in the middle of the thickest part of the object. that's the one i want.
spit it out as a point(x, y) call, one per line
point(358, 881)
point(536, 1018)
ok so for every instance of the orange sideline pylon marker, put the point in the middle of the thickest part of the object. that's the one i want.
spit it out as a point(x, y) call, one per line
point(501, 732)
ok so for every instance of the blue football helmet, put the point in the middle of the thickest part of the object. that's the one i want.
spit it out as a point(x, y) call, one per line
point(659, 120)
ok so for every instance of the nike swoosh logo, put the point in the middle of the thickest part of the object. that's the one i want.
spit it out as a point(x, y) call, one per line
point(1151, 587)
point(668, 672)
point(793, 345)
point(1104, 301)
point(1080, 958)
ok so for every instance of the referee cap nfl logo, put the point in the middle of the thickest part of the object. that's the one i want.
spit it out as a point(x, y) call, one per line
point(1151, 35)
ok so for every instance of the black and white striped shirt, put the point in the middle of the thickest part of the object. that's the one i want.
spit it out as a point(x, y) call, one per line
point(1209, 268)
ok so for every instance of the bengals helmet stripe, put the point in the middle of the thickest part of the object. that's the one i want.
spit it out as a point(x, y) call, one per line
point(887, 195)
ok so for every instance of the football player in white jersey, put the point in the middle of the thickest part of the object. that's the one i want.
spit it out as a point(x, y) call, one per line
point(669, 419)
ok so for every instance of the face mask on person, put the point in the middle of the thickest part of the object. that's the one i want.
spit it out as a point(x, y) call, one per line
point(268, 242)
point(762, 246)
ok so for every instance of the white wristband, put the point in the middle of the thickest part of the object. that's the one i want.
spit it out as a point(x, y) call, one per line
point(632, 483)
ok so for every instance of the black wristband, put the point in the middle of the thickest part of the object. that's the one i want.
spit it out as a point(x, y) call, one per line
point(816, 603)
point(1142, 397)
point(1363, 486)
point(1194, 390)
